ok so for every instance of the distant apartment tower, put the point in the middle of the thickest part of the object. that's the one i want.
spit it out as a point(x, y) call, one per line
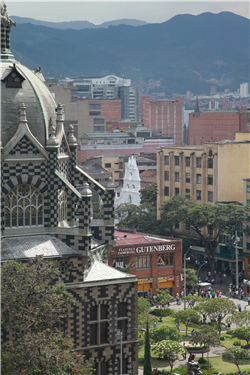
point(216, 125)
point(111, 87)
point(244, 90)
point(213, 90)
point(164, 117)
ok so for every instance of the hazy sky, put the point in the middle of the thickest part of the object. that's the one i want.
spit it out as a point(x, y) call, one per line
point(101, 11)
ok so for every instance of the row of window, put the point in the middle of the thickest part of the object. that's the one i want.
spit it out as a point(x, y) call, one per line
point(144, 261)
point(187, 191)
point(187, 161)
point(188, 177)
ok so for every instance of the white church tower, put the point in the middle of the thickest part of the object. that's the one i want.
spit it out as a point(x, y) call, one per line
point(131, 185)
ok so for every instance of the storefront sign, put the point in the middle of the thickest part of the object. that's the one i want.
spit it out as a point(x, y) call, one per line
point(167, 278)
point(147, 249)
point(147, 280)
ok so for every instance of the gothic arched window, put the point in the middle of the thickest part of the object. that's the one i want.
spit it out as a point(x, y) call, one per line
point(24, 206)
point(62, 205)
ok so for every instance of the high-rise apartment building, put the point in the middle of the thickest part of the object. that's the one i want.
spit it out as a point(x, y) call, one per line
point(164, 117)
point(244, 90)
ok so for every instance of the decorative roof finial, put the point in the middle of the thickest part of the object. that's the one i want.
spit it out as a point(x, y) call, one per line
point(72, 141)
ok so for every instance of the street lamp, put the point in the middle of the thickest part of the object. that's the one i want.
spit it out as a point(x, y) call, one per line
point(203, 264)
point(185, 286)
point(120, 337)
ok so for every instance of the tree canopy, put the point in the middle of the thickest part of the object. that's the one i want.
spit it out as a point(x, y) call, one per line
point(209, 222)
point(206, 336)
point(170, 351)
point(33, 307)
point(149, 195)
point(186, 317)
point(235, 355)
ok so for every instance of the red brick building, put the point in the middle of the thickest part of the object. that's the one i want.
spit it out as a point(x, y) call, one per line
point(165, 117)
point(111, 109)
point(214, 126)
point(159, 260)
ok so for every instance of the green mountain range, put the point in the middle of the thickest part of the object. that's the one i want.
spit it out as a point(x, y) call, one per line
point(185, 53)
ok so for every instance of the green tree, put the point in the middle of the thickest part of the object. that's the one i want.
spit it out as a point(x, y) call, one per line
point(128, 267)
point(33, 307)
point(163, 297)
point(212, 307)
point(186, 317)
point(169, 351)
point(206, 336)
point(159, 334)
point(192, 300)
point(209, 222)
point(144, 317)
point(239, 318)
point(149, 195)
point(147, 368)
point(242, 333)
point(235, 355)
point(191, 277)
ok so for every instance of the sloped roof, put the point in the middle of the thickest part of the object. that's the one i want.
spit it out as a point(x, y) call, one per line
point(28, 247)
point(100, 272)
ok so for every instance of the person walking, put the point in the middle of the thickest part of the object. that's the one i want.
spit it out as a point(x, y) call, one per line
point(178, 327)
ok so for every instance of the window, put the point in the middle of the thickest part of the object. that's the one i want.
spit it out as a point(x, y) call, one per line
point(95, 113)
point(187, 191)
point(176, 160)
point(143, 261)
point(187, 161)
point(187, 178)
point(107, 165)
point(124, 365)
point(176, 176)
point(210, 196)
point(95, 106)
point(166, 191)
point(210, 179)
point(165, 260)
point(98, 129)
point(198, 162)
point(198, 195)
point(120, 261)
point(122, 319)
point(99, 322)
point(62, 205)
point(198, 178)
point(122, 309)
point(99, 121)
point(166, 160)
point(177, 191)
point(24, 207)
point(210, 163)
point(166, 175)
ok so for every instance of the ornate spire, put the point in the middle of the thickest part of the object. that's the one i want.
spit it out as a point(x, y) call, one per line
point(70, 137)
point(197, 109)
point(52, 141)
point(22, 118)
point(6, 24)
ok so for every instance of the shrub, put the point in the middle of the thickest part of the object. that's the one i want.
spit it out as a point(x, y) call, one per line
point(162, 312)
point(202, 361)
point(222, 338)
point(237, 343)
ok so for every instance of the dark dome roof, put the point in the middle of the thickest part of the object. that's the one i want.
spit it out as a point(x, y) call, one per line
point(39, 102)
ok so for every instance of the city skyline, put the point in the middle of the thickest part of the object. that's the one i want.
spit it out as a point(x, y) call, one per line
point(98, 12)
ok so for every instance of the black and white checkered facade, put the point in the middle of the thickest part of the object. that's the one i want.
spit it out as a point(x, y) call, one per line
point(46, 204)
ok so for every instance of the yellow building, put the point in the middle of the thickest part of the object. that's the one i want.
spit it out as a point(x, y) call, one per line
point(211, 173)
